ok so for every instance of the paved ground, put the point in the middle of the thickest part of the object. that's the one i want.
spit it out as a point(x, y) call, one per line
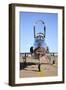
point(30, 69)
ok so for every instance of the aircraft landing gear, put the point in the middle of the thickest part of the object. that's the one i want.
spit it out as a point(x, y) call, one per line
point(39, 67)
point(39, 55)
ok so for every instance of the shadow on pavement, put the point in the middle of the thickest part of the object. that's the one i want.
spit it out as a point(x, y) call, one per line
point(24, 65)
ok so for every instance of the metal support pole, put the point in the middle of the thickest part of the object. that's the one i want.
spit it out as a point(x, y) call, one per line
point(25, 60)
point(39, 64)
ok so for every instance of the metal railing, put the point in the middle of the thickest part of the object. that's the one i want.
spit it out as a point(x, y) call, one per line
point(51, 53)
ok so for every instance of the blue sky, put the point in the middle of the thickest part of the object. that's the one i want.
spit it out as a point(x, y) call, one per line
point(26, 23)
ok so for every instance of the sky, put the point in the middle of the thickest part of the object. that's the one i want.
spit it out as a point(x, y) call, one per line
point(26, 32)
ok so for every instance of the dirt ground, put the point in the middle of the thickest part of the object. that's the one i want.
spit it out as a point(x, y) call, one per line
point(47, 68)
